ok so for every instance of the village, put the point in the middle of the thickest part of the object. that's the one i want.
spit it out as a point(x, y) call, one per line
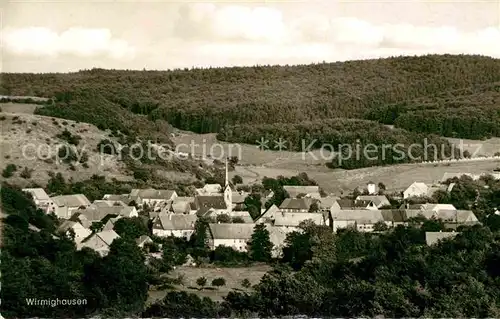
point(230, 223)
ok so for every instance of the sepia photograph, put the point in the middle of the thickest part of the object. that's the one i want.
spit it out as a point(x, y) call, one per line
point(249, 159)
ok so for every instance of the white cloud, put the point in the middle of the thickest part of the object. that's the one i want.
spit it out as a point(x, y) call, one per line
point(82, 42)
point(252, 28)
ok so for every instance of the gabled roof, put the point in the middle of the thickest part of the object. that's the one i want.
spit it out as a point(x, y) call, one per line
point(418, 187)
point(245, 215)
point(352, 204)
point(37, 193)
point(215, 202)
point(143, 239)
point(152, 193)
point(66, 225)
point(75, 200)
point(181, 207)
point(364, 216)
point(294, 191)
point(378, 200)
point(231, 231)
point(296, 203)
point(108, 203)
point(268, 214)
point(99, 213)
point(393, 215)
point(177, 222)
point(238, 198)
point(294, 219)
point(106, 236)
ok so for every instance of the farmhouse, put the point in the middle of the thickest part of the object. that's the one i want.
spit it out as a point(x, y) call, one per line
point(152, 197)
point(378, 200)
point(40, 197)
point(432, 238)
point(302, 191)
point(64, 205)
point(79, 232)
point(362, 220)
point(293, 220)
point(230, 235)
point(269, 215)
point(177, 225)
point(100, 241)
point(296, 205)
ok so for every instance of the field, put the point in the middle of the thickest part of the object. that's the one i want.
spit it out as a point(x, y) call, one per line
point(30, 141)
point(18, 108)
point(233, 277)
point(256, 164)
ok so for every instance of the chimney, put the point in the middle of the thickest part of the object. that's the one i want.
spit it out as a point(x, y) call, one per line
point(170, 216)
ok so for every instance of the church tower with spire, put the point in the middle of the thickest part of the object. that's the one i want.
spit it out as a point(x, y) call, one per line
point(228, 193)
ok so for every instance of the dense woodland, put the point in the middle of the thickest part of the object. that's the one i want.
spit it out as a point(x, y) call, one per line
point(453, 96)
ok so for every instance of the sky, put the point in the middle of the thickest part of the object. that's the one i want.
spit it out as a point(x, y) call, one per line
point(67, 36)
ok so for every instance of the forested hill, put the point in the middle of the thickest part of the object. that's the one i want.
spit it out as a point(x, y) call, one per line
point(203, 100)
point(451, 95)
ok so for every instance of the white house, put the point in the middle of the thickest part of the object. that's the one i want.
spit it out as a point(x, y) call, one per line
point(65, 205)
point(371, 188)
point(292, 221)
point(40, 197)
point(152, 197)
point(363, 220)
point(177, 225)
point(80, 232)
point(378, 200)
point(347, 204)
point(432, 238)
point(236, 236)
point(100, 241)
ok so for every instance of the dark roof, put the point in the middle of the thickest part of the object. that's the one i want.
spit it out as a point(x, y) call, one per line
point(394, 215)
point(351, 204)
point(296, 203)
point(215, 202)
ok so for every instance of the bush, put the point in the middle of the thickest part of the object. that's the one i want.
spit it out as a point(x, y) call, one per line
point(9, 170)
point(26, 173)
point(202, 281)
point(218, 282)
point(245, 283)
point(107, 147)
point(68, 137)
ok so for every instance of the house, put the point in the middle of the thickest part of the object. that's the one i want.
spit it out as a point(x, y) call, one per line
point(143, 240)
point(394, 217)
point(269, 215)
point(235, 236)
point(296, 205)
point(362, 219)
point(293, 220)
point(177, 225)
point(109, 224)
point(216, 203)
point(100, 242)
point(326, 203)
point(238, 200)
point(96, 214)
point(79, 232)
point(183, 205)
point(432, 238)
point(371, 188)
point(347, 204)
point(40, 197)
point(151, 196)
point(118, 198)
point(243, 215)
point(277, 236)
point(65, 205)
point(378, 200)
point(107, 203)
point(416, 189)
point(302, 191)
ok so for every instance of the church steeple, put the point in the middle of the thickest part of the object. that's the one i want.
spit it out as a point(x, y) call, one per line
point(228, 193)
point(227, 176)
